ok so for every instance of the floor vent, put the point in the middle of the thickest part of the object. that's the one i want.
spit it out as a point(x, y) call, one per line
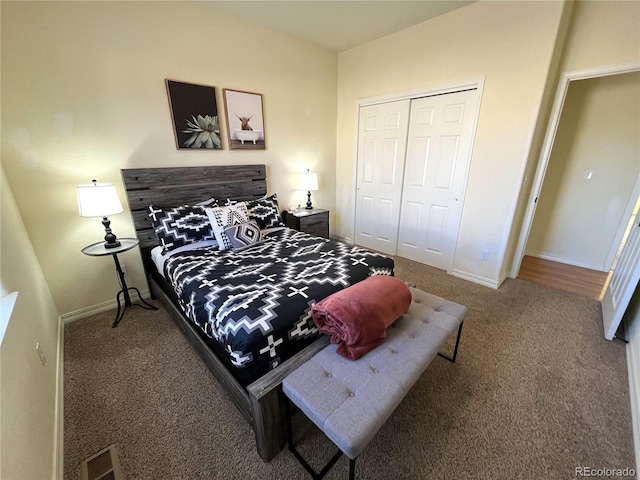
point(103, 465)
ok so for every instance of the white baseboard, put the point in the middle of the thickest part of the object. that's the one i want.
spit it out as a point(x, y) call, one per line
point(633, 367)
point(566, 261)
point(58, 448)
point(472, 277)
point(93, 309)
point(488, 282)
point(342, 239)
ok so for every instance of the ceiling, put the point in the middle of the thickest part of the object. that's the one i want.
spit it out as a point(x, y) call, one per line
point(337, 25)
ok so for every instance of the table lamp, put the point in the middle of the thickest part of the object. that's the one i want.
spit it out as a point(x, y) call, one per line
point(100, 200)
point(309, 182)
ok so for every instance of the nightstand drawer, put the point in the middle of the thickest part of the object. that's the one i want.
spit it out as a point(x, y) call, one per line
point(320, 220)
point(318, 232)
point(314, 222)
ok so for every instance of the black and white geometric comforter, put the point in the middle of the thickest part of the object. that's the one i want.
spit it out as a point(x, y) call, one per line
point(256, 302)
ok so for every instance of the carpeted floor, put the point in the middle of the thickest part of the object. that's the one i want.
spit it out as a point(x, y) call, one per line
point(535, 393)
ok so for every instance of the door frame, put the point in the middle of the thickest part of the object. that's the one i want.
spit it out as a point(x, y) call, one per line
point(547, 147)
point(453, 87)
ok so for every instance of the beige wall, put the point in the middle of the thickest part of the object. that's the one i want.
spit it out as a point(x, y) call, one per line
point(577, 219)
point(83, 96)
point(512, 48)
point(27, 388)
point(601, 33)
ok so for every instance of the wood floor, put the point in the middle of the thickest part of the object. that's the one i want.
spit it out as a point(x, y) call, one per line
point(581, 281)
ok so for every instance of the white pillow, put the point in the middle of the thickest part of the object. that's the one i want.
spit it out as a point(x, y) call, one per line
point(222, 217)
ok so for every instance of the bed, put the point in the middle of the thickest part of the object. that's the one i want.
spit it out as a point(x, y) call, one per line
point(245, 309)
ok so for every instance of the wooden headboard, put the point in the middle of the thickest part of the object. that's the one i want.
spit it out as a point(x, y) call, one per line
point(175, 186)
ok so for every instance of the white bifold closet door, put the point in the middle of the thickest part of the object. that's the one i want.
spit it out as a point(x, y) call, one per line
point(437, 159)
point(382, 144)
point(418, 216)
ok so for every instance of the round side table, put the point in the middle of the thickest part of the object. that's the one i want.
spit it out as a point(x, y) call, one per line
point(98, 250)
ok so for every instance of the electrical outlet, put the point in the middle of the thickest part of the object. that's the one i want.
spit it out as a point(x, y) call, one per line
point(124, 269)
point(41, 353)
point(484, 255)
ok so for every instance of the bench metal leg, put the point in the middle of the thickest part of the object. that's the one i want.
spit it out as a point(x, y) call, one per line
point(455, 350)
point(303, 462)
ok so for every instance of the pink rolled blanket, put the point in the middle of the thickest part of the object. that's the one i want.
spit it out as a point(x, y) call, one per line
point(357, 317)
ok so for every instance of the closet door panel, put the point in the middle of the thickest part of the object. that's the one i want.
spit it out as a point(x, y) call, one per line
point(447, 122)
point(416, 165)
point(446, 164)
point(365, 215)
point(368, 159)
point(387, 221)
point(382, 136)
point(436, 224)
point(413, 214)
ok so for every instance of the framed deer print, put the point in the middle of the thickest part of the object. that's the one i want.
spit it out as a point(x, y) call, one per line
point(245, 120)
point(194, 112)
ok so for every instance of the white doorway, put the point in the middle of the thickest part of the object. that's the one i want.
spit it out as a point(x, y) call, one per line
point(413, 155)
point(608, 229)
point(552, 130)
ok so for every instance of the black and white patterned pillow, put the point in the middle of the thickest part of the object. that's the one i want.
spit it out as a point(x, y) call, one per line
point(179, 226)
point(265, 211)
point(222, 217)
point(243, 234)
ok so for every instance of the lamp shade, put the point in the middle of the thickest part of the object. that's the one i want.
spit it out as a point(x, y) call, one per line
point(98, 200)
point(308, 181)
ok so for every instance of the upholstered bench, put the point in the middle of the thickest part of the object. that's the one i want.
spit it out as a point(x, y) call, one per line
point(350, 400)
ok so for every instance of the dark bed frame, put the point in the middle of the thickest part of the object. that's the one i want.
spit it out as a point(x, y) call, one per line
point(261, 401)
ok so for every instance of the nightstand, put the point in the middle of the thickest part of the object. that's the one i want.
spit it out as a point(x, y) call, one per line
point(98, 250)
point(314, 221)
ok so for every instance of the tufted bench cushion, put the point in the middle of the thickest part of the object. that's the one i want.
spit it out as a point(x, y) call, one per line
point(350, 400)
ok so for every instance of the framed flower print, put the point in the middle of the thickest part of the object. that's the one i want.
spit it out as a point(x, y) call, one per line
point(194, 112)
